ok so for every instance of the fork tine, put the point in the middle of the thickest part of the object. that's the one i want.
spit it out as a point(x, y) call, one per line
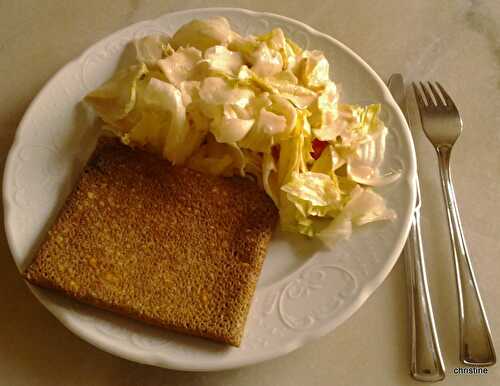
point(430, 102)
point(446, 97)
point(418, 96)
point(437, 97)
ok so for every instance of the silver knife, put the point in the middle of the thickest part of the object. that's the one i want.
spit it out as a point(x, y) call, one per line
point(426, 361)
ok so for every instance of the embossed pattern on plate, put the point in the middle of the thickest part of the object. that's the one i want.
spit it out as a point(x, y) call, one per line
point(305, 291)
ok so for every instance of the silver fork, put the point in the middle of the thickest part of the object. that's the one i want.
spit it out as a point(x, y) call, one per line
point(442, 125)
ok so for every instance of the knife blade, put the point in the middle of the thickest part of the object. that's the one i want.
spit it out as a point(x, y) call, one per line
point(426, 362)
point(397, 88)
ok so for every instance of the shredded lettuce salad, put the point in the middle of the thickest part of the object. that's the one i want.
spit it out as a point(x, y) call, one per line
point(229, 105)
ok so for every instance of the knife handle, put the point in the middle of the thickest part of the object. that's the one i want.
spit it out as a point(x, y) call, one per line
point(426, 362)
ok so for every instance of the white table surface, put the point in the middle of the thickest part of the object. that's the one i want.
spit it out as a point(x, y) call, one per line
point(455, 42)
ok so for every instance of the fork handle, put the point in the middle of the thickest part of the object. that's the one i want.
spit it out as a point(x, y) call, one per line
point(426, 362)
point(476, 345)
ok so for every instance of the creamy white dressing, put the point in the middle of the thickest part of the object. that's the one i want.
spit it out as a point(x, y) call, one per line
point(231, 105)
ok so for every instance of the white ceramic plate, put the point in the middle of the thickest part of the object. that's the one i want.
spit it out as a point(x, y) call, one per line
point(303, 293)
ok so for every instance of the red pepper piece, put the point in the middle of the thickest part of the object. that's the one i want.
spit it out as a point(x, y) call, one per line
point(318, 147)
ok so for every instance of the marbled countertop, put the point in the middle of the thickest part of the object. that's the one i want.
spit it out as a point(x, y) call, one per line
point(455, 42)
